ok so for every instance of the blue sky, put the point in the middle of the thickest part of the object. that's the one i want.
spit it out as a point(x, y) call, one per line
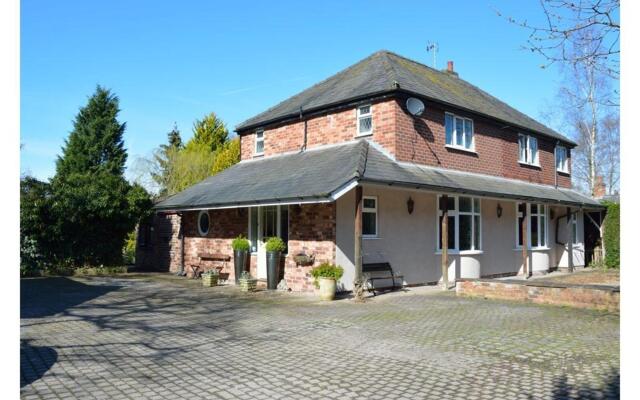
point(177, 61)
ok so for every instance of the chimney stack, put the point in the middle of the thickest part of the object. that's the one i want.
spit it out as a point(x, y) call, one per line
point(450, 70)
point(599, 188)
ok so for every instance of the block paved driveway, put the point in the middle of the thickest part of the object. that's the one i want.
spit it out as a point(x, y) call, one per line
point(162, 337)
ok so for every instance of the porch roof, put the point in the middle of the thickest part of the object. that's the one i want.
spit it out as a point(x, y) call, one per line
point(324, 174)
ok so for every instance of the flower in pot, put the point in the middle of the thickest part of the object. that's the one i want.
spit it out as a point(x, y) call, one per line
point(274, 246)
point(241, 248)
point(210, 277)
point(325, 277)
point(247, 282)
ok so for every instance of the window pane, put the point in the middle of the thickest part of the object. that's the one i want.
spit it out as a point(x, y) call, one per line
point(284, 225)
point(269, 222)
point(519, 233)
point(365, 110)
point(459, 131)
point(448, 128)
point(534, 209)
point(465, 232)
point(464, 204)
point(369, 203)
point(368, 223)
point(476, 232)
point(533, 145)
point(468, 132)
point(260, 146)
point(476, 205)
point(451, 229)
point(522, 207)
point(254, 228)
point(534, 231)
point(451, 203)
point(522, 145)
point(204, 222)
point(543, 241)
point(365, 125)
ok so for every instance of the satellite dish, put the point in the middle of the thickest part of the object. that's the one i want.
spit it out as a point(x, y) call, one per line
point(415, 106)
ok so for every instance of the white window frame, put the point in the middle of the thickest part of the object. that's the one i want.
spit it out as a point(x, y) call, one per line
point(258, 210)
point(564, 163)
point(541, 217)
point(370, 210)
point(200, 214)
point(261, 140)
point(360, 116)
point(529, 139)
point(476, 248)
point(454, 144)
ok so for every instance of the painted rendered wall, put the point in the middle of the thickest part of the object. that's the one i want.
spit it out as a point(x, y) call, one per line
point(562, 251)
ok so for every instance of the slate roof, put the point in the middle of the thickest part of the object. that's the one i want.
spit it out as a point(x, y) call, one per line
point(320, 174)
point(377, 74)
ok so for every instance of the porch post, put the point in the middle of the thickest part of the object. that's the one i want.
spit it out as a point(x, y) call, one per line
point(525, 242)
point(444, 230)
point(358, 284)
point(570, 241)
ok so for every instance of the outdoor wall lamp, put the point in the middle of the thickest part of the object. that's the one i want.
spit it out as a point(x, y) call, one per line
point(410, 205)
point(499, 210)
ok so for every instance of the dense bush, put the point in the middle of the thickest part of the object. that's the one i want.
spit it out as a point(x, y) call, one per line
point(612, 235)
point(275, 244)
point(129, 250)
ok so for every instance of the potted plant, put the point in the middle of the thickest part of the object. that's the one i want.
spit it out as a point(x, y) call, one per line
point(247, 282)
point(210, 277)
point(274, 246)
point(325, 277)
point(241, 248)
point(303, 259)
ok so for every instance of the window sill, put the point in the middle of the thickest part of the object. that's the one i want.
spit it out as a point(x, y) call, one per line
point(370, 237)
point(461, 253)
point(526, 164)
point(364, 134)
point(460, 148)
point(533, 249)
point(563, 172)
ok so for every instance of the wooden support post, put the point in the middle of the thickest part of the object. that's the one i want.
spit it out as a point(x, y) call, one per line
point(358, 284)
point(525, 243)
point(570, 241)
point(444, 230)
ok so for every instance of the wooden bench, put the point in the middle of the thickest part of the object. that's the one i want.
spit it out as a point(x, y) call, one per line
point(382, 267)
point(198, 269)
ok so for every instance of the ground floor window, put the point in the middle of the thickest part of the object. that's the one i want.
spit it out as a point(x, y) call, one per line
point(369, 216)
point(536, 226)
point(464, 223)
point(268, 221)
point(574, 228)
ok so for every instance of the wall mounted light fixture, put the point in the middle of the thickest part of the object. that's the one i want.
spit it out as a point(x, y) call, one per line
point(410, 205)
point(499, 210)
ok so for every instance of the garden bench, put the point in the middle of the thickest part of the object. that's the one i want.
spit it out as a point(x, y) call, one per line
point(198, 269)
point(381, 267)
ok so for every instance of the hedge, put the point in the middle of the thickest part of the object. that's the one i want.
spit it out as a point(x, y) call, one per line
point(612, 235)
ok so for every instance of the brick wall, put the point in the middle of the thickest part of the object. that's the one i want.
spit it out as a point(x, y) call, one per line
point(419, 140)
point(312, 231)
point(581, 296)
point(158, 243)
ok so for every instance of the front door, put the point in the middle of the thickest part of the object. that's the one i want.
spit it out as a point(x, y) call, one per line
point(267, 227)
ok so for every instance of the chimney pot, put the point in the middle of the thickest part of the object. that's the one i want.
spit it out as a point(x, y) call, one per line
point(449, 66)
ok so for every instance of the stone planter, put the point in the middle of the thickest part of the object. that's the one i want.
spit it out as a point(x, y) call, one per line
point(273, 269)
point(327, 288)
point(239, 263)
point(209, 280)
point(248, 285)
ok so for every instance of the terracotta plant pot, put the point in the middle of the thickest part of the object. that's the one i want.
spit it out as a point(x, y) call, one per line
point(327, 288)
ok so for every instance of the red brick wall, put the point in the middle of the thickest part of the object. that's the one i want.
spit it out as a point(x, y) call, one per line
point(326, 129)
point(158, 249)
point(420, 140)
point(312, 231)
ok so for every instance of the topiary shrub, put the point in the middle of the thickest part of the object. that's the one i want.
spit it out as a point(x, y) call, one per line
point(612, 235)
point(275, 244)
point(326, 270)
point(240, 243)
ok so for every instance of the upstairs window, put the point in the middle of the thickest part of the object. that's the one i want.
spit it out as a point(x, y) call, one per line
point(365, 120)
point(259, 142)
point(528, 149)
point(458, 131)
point(369, 216)
point(561, 159)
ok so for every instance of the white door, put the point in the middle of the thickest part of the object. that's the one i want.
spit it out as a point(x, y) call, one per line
point(267, 227)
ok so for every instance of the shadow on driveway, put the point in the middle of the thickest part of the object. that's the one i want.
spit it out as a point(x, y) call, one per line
point(41, 297)
point(35, 361)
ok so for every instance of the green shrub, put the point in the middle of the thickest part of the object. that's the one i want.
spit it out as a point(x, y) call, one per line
point(326, 270)
point(240, 243)
point(211, 272)
point(60, 268)
point(31, 261)
point(129, 249)
point(612, 235)
point(275, 244)
point(99, 271)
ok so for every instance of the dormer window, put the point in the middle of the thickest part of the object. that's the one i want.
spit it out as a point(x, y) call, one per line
point(528, 150)
point(259, 150)
point(458, 132)
point(365, 120)
point(562, 165)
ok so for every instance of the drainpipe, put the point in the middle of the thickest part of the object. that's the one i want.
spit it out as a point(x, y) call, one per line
point(304, 138)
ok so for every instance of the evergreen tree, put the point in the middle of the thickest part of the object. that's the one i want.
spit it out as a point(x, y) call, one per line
point(209, 131)
point(228, 155)
point(95, 207)
point(164, 160)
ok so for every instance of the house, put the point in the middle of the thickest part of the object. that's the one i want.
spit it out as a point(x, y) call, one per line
point(403, 144)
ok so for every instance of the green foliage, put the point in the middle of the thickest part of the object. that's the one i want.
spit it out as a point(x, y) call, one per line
point(210, 132)
point(211, 272)
point(240, 243)
point(100, 271)
point(326, 270)
point(612, 235)
point(129, 250)
point(275, 244)
point(190, 166)
point(245, 275)
point(226, 156)
point(37, 226)
point(31, 260)
point(164, 158)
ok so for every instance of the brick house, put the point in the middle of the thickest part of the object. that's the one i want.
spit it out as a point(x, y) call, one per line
point(401, 144)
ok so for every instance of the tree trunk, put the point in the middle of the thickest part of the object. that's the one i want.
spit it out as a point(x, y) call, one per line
point(358, 284)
